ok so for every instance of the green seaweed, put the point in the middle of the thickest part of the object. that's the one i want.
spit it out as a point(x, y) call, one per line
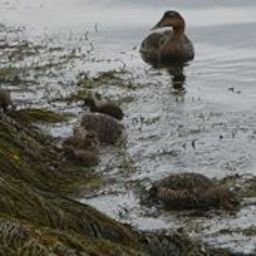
point(12, 75)
point(112, 77)
point(83, 80)
point(43, 115)
point(79, 95)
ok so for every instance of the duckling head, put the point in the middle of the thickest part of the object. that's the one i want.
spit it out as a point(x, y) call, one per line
point(90, 102)
point(222, 197)
point(172, 19)
point(68, 151)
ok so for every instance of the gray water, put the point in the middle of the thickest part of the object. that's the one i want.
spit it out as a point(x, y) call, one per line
point(207, 127)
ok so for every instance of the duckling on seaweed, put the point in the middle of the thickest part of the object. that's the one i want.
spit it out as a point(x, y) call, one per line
point(170, 46)
point(107, 108)
point(84, 157)
point(107, 128)
point(192, 191)
point(82, 139)
point(5, 99)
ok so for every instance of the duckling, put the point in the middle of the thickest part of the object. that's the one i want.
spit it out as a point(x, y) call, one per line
point(82, 139)
point(185, 180)
point(84, 157)
point(192, 191)
point(168, 47)
point(5, 99)
point(107, 108)
point(107, 128)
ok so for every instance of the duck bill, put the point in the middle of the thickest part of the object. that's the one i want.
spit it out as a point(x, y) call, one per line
point(158, 25)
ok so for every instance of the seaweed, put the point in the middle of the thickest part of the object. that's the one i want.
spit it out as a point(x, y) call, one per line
point(43, 115)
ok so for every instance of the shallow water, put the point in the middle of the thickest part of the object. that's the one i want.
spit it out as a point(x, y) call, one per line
point(208, 126)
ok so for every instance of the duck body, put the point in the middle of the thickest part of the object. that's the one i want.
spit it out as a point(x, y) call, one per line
point(170, 46)
point(82, 139)
point(81, 156)
point(161, 48)
point(192, 191)
point(107, 128)
point(107, 108)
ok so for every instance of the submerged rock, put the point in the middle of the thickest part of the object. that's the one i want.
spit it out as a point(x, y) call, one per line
point(107, 128)
point(192, 191)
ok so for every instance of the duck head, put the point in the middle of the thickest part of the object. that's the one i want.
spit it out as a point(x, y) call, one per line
point(171, 19)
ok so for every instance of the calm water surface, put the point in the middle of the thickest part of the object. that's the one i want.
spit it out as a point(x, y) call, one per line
point(208, 126)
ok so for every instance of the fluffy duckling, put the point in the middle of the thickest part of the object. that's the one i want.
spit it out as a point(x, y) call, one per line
point(5, 99)
point(84, 157)
point(192, 191)
point(168, 47)
point(107, 108)
point(107, 128)
point(82, 139)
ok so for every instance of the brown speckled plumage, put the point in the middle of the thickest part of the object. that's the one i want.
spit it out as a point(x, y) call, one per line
point(107, 128)
point(82, 139)
point(170, 46)
point(83, 157)
point(192, 191)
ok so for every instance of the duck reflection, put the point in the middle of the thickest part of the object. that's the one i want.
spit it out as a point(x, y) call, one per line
point(178, 78)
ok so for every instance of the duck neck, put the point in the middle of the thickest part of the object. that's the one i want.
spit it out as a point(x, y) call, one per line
point(178, 32)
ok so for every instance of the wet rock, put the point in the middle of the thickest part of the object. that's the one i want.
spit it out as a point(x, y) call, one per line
point(107, 128)
point(191, 191)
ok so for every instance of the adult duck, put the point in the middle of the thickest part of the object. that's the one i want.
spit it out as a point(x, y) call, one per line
point(170, 46)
